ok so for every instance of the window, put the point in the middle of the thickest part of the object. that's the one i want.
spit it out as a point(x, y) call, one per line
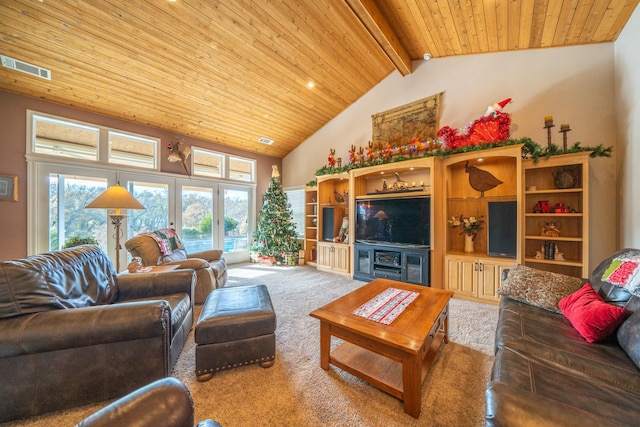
point(240, 169)
point(62, 138)
point(154, 196)
point(71, 163)
point(207, 163)
point(131, 150)
point(236, 219)
point(59, 137)
point(197, 218)
point(217, 165)
point(68, 195)
point(296, 200)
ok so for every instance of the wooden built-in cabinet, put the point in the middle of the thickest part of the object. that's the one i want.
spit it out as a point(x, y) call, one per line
point(476, 274)
point(310, 224)
point(332, 210)
point(559, 184)
point(475, 278)
point(334, 257)
point(410, 179)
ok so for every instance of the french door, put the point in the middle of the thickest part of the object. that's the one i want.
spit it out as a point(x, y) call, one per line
point(206, 214)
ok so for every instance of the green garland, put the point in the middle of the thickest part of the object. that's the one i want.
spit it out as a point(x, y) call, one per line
point(530, 149)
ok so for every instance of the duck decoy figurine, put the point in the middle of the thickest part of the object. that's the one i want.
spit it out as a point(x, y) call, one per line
point(481, 180)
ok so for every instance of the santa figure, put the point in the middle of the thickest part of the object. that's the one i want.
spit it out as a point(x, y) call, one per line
point(494, 126)
point(498, 106)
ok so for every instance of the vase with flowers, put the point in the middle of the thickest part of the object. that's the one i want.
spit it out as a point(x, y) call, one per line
point(470, 226)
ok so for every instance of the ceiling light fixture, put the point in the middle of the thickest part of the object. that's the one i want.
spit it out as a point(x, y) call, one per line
point(265, 140)
point(310, 85)
point(427, 56)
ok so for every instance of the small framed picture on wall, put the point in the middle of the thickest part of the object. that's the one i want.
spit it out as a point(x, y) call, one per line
point(8, 188)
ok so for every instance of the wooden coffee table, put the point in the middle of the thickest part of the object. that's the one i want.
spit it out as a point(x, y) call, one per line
point(394, 358)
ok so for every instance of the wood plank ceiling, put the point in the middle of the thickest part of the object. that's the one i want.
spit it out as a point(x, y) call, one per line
point(234, 71)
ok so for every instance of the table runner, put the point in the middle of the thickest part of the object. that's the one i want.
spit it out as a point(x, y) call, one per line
point(386, 306)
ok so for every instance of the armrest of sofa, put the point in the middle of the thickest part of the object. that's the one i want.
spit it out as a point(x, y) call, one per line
point(192, 263)
point(145, 285)
point(79, 327)
point(209, 255)
point(506, 406)
point(165, 402)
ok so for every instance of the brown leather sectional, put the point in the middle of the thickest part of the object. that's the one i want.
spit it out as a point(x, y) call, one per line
point(545, 373)
point(72, 332)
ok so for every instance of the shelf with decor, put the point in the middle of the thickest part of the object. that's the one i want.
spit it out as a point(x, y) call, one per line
point(485, 187)
point(556, 214)
point(332, 215)
point(310, 224)
point(392, 211)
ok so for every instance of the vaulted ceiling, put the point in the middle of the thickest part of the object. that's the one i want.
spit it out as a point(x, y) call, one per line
point(235, 71)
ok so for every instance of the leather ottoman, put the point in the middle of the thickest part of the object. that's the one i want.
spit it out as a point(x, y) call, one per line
point(235, 328)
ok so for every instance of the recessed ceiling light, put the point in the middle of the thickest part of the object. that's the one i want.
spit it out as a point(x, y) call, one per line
point(310, 85)
point(427, 56)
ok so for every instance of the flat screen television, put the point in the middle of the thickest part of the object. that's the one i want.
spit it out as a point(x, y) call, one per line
point(397, 221)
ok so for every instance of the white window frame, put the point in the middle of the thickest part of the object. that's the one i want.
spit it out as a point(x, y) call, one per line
point(40, 165)
point(103, 142)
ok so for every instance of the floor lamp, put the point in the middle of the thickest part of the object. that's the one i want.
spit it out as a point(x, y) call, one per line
point(115, 197)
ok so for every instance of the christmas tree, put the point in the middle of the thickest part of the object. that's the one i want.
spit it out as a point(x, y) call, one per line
point(276, 233)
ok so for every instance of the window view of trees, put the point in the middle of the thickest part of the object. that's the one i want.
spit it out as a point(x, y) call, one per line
point(68, 195)
point(236, 220)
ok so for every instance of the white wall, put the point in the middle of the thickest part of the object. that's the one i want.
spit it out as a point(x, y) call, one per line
point(574, 84)
point(627, 107)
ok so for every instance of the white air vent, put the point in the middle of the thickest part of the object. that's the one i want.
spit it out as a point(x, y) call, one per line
point(266, 140)
point(25, 67)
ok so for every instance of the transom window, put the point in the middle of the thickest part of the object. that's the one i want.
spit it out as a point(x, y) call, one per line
point(214, 165)
point(60, 138)
point(55, 136)
point(132, 150)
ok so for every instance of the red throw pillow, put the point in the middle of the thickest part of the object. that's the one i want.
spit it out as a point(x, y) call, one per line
point(590, 315)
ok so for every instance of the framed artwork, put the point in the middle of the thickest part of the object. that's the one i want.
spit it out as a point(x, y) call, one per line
point(8, 188)
point(418, 119)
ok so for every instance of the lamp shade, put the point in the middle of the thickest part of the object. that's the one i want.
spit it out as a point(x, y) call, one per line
point(115, 197)
point(380, 215)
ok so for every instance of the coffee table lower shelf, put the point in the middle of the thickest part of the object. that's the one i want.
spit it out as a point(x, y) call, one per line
point(378, 370)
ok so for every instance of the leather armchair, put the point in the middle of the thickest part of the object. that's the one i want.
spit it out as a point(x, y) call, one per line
point(166, 402)
point(210, 265)
point(72, 332)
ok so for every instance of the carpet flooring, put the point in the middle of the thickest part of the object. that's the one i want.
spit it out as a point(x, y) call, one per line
point(295, 391)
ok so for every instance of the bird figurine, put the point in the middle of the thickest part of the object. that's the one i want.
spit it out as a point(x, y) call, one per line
point(481, 180)
point(399, 181)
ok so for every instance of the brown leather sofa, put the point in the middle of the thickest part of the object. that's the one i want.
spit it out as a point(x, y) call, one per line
point(546, 374)
point(210, 266)
point(72, 332)
point(166, 402)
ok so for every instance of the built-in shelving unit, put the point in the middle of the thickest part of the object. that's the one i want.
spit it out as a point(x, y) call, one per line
point(332, 209)
point(311, 225)
point(547, 203)
point(556, 214)
point(475, 273)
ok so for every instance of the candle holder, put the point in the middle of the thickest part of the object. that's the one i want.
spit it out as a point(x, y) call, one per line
point(564, 128)
point(548, 124)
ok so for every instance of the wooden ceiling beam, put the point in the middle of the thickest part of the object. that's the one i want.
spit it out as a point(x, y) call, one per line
point(372, 19)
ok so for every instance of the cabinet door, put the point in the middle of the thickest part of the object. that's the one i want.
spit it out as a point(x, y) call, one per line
point(324, 256)
point(461, 275)
point(363, 261)
point(341, 258)
point(415, 267)
point(490, 275)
